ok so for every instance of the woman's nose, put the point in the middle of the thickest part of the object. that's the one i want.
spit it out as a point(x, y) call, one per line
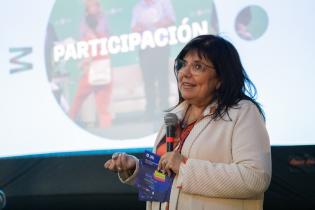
point(187, 70)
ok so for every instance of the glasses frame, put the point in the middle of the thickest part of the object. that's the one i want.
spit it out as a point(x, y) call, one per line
point(192, 67)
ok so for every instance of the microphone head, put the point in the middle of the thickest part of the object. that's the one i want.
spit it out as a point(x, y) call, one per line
point(170, 119)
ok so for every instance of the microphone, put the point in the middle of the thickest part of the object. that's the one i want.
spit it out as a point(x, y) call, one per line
point(171, 121)
point(2, 200)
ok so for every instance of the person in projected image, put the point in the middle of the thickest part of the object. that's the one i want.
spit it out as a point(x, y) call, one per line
point(221, 157)
point(242, 24)
point(149, 15)
point(93, 26)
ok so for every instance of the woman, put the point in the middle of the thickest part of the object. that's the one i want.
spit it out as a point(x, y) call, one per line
point(222, 156)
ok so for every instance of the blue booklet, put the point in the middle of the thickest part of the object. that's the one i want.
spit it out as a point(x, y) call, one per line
point(152, 184)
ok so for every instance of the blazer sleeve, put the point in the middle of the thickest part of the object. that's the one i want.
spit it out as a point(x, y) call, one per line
point(249, 173)
point(125, 178)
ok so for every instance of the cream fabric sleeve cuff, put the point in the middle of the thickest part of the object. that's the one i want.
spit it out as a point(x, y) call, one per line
point(125, 177)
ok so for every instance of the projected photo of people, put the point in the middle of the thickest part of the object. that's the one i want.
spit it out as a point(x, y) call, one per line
point(251, 23)
point(149, 15)
point(111, 62)
point(96, 72)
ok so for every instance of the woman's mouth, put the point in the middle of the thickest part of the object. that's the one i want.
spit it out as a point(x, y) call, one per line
point(187, 85)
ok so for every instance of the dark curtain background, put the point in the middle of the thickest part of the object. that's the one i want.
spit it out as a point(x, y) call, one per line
point(81, 182)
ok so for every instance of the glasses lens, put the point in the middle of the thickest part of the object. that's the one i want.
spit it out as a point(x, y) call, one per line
point(179, 64)
point(198, 68)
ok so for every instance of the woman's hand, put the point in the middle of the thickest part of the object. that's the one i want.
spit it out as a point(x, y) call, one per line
point(121, 162)
point(170, 162)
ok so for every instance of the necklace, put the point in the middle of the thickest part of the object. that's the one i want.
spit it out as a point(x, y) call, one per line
point(185, 122)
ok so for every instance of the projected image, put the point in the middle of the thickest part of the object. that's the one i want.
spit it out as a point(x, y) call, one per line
point(251, 23)
point(110, 63)
point(95, 75)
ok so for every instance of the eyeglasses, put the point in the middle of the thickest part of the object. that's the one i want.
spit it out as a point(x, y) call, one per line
point(197, 68)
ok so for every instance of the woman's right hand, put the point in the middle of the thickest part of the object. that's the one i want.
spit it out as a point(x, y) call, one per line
point(121, 162)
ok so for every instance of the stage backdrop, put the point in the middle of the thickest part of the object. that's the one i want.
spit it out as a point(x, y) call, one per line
point(51, 105)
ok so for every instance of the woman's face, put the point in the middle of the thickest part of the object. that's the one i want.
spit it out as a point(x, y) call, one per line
point(197, 81)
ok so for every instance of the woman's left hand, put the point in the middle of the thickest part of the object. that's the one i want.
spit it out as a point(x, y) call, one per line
point(170, 162)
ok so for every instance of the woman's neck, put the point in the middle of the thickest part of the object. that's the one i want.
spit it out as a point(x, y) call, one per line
point(194, 113)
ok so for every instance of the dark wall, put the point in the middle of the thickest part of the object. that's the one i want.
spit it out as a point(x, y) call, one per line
point(81, 182)
point(293, 178)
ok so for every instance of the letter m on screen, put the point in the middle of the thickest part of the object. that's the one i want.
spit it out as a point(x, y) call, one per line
point(17, 59)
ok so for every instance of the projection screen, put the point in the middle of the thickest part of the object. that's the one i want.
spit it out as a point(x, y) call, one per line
point(51, 103)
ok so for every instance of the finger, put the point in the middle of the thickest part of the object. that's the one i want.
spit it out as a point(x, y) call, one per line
point(111, 165)
point(122, 165)
point(161, 164)
point(121, 161)
point(165, 167)
point(127, 161)
point(168, 172)
point(115, 155)
point(107, 163)
point(168, 169)
point(117, 162)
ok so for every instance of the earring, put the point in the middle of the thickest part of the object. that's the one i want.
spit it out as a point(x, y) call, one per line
point(218, 86)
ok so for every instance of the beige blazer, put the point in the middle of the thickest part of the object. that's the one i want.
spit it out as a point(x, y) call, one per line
point(228, 166)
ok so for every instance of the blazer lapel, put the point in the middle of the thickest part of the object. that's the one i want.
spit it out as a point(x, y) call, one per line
point(194, 133)
point(198, 128)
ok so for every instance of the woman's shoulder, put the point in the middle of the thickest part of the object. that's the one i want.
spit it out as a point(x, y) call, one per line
point(245, 103)
point(246, 108)
point(242, 107)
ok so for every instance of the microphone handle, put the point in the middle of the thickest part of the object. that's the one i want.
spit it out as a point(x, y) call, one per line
point(169, 146)
point(170, 135)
